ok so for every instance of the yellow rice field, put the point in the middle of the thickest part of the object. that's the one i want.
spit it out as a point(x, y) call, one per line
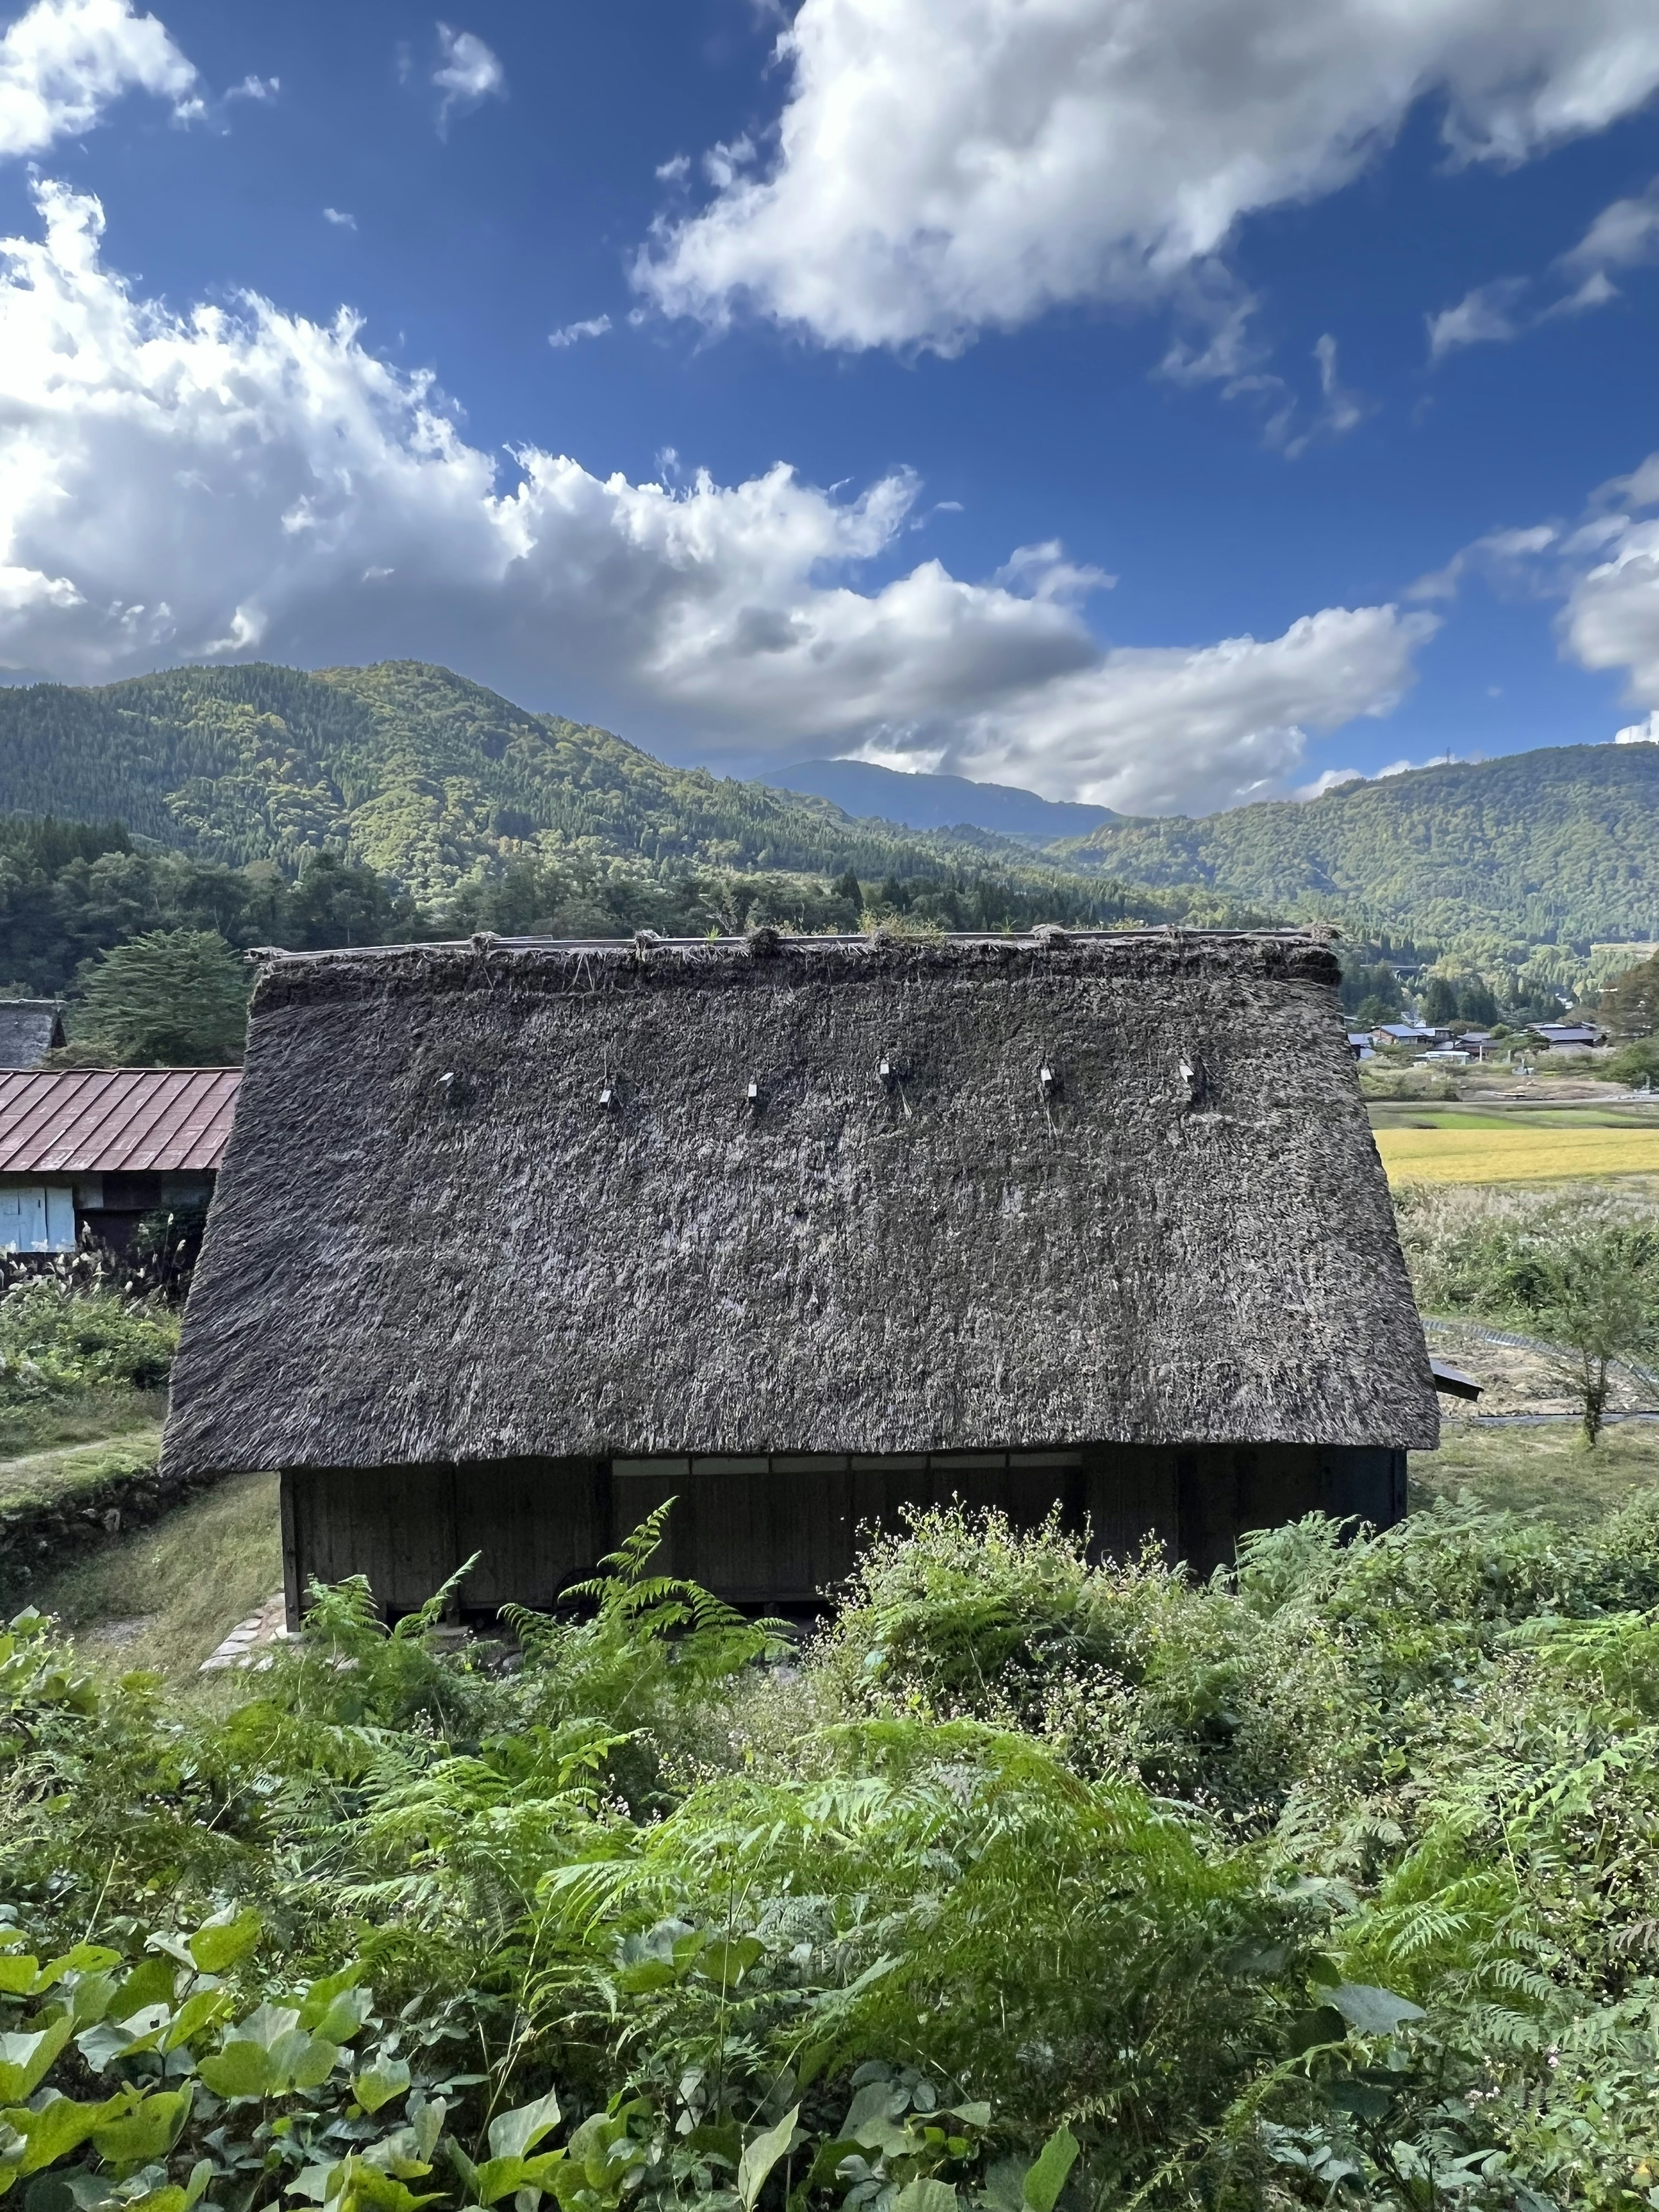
point(1520, 1155)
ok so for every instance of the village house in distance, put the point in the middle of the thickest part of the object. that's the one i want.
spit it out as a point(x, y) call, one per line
point(515, 1239)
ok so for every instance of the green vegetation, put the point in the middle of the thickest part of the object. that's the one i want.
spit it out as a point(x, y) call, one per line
point(173, 998)
point(1630, 1006)
point(57, 1475)
point(429, 780)
point(164, 1597)
point(1553, 847)
point(60, 1336)
point(1028, 1885)
point(420, 790)
point(1542, 1470)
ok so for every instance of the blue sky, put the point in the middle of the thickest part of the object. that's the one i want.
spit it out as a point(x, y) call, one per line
point(1022, 316)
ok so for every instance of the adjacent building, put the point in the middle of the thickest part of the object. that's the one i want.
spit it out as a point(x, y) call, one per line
point(515, 1240)
point(30, 1030)
point(87, 1151)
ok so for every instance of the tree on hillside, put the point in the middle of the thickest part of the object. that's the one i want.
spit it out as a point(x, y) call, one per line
point(173, 998)
point(1630, 1004)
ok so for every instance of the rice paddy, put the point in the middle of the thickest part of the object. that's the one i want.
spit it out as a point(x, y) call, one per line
point(1482, 1150)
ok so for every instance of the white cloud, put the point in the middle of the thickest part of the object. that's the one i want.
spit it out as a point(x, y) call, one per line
point(941, 166)
point(1644, 732)
point(468, 72)
point(63, 62)
point(235, 482)
point(1339, 411)
point(1506, 556)
point(1625, 234)
point(1485, 316)
point(339, 218)
point(571, 334)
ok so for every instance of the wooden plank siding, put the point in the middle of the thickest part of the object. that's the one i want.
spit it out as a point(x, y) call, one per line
point(784, 1531)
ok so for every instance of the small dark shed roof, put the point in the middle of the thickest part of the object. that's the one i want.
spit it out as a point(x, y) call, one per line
point(29, 1028)
point(433, 1240)
point(105, 1120)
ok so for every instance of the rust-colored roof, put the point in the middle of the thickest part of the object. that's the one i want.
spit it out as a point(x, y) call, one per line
point(96, 1121)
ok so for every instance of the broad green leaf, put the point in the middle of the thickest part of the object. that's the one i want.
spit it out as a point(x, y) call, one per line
point(320, 1995)
point(1043, 2183)
point(168, 2198)
point(314, 2064)
point(148, 2131)
point(366, 2186)
point(238, 2069)
point(497, 2177)
point(267, 2022)
point(196, 2013)
point(24, 2058)
point(926, 2196)
point(17, 1974)
point(1372, 2011)
point(512, 2135)
point(101, 2046)
point(426, 2123)
point(342, 2017)
point(221, 1941)
point(727, 1963)
point(57, 2128)
point(760, 2156)
point(84, 1958)
point(505, 2177)
point(647, 1974)
point(971, 2115)
point(152, 1981)
point(379, 2084)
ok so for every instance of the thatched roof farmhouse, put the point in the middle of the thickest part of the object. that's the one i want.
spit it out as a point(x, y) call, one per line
point(514, 1239)
point(30, 1030)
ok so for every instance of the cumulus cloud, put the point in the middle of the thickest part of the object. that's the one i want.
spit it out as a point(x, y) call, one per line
point(339, 218)
point(239, 481)
point(63, 62)
point(468, 72)
point(941, 166)
point(1611, 619)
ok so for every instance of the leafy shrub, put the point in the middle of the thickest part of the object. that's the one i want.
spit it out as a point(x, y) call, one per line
point(56, 1338)
point(1033, 1884)
point(1635, 1063)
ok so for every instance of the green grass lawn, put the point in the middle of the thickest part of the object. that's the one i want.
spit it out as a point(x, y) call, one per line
point(164, 1596)
point(1546, 1470)
point(87, 1417)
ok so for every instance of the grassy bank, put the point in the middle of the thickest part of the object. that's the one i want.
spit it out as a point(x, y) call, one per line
point(163, 1597)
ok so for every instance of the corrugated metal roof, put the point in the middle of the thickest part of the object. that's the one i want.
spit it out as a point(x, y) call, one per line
point(96, 1121)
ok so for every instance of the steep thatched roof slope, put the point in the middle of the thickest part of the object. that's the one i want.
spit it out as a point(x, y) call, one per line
point(29, 1028)
point(436, 1238)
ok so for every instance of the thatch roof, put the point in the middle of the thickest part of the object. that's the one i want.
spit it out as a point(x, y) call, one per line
point(516, 1197)
point(29, 1028)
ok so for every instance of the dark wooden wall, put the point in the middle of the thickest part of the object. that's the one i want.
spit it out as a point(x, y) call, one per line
point(784, 1532)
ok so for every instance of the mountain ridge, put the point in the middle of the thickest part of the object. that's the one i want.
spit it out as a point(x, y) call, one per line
point(432, 779)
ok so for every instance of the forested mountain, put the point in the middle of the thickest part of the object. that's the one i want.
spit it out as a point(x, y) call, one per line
point(415, 771)
point(1558, 844)
point(445, 790)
